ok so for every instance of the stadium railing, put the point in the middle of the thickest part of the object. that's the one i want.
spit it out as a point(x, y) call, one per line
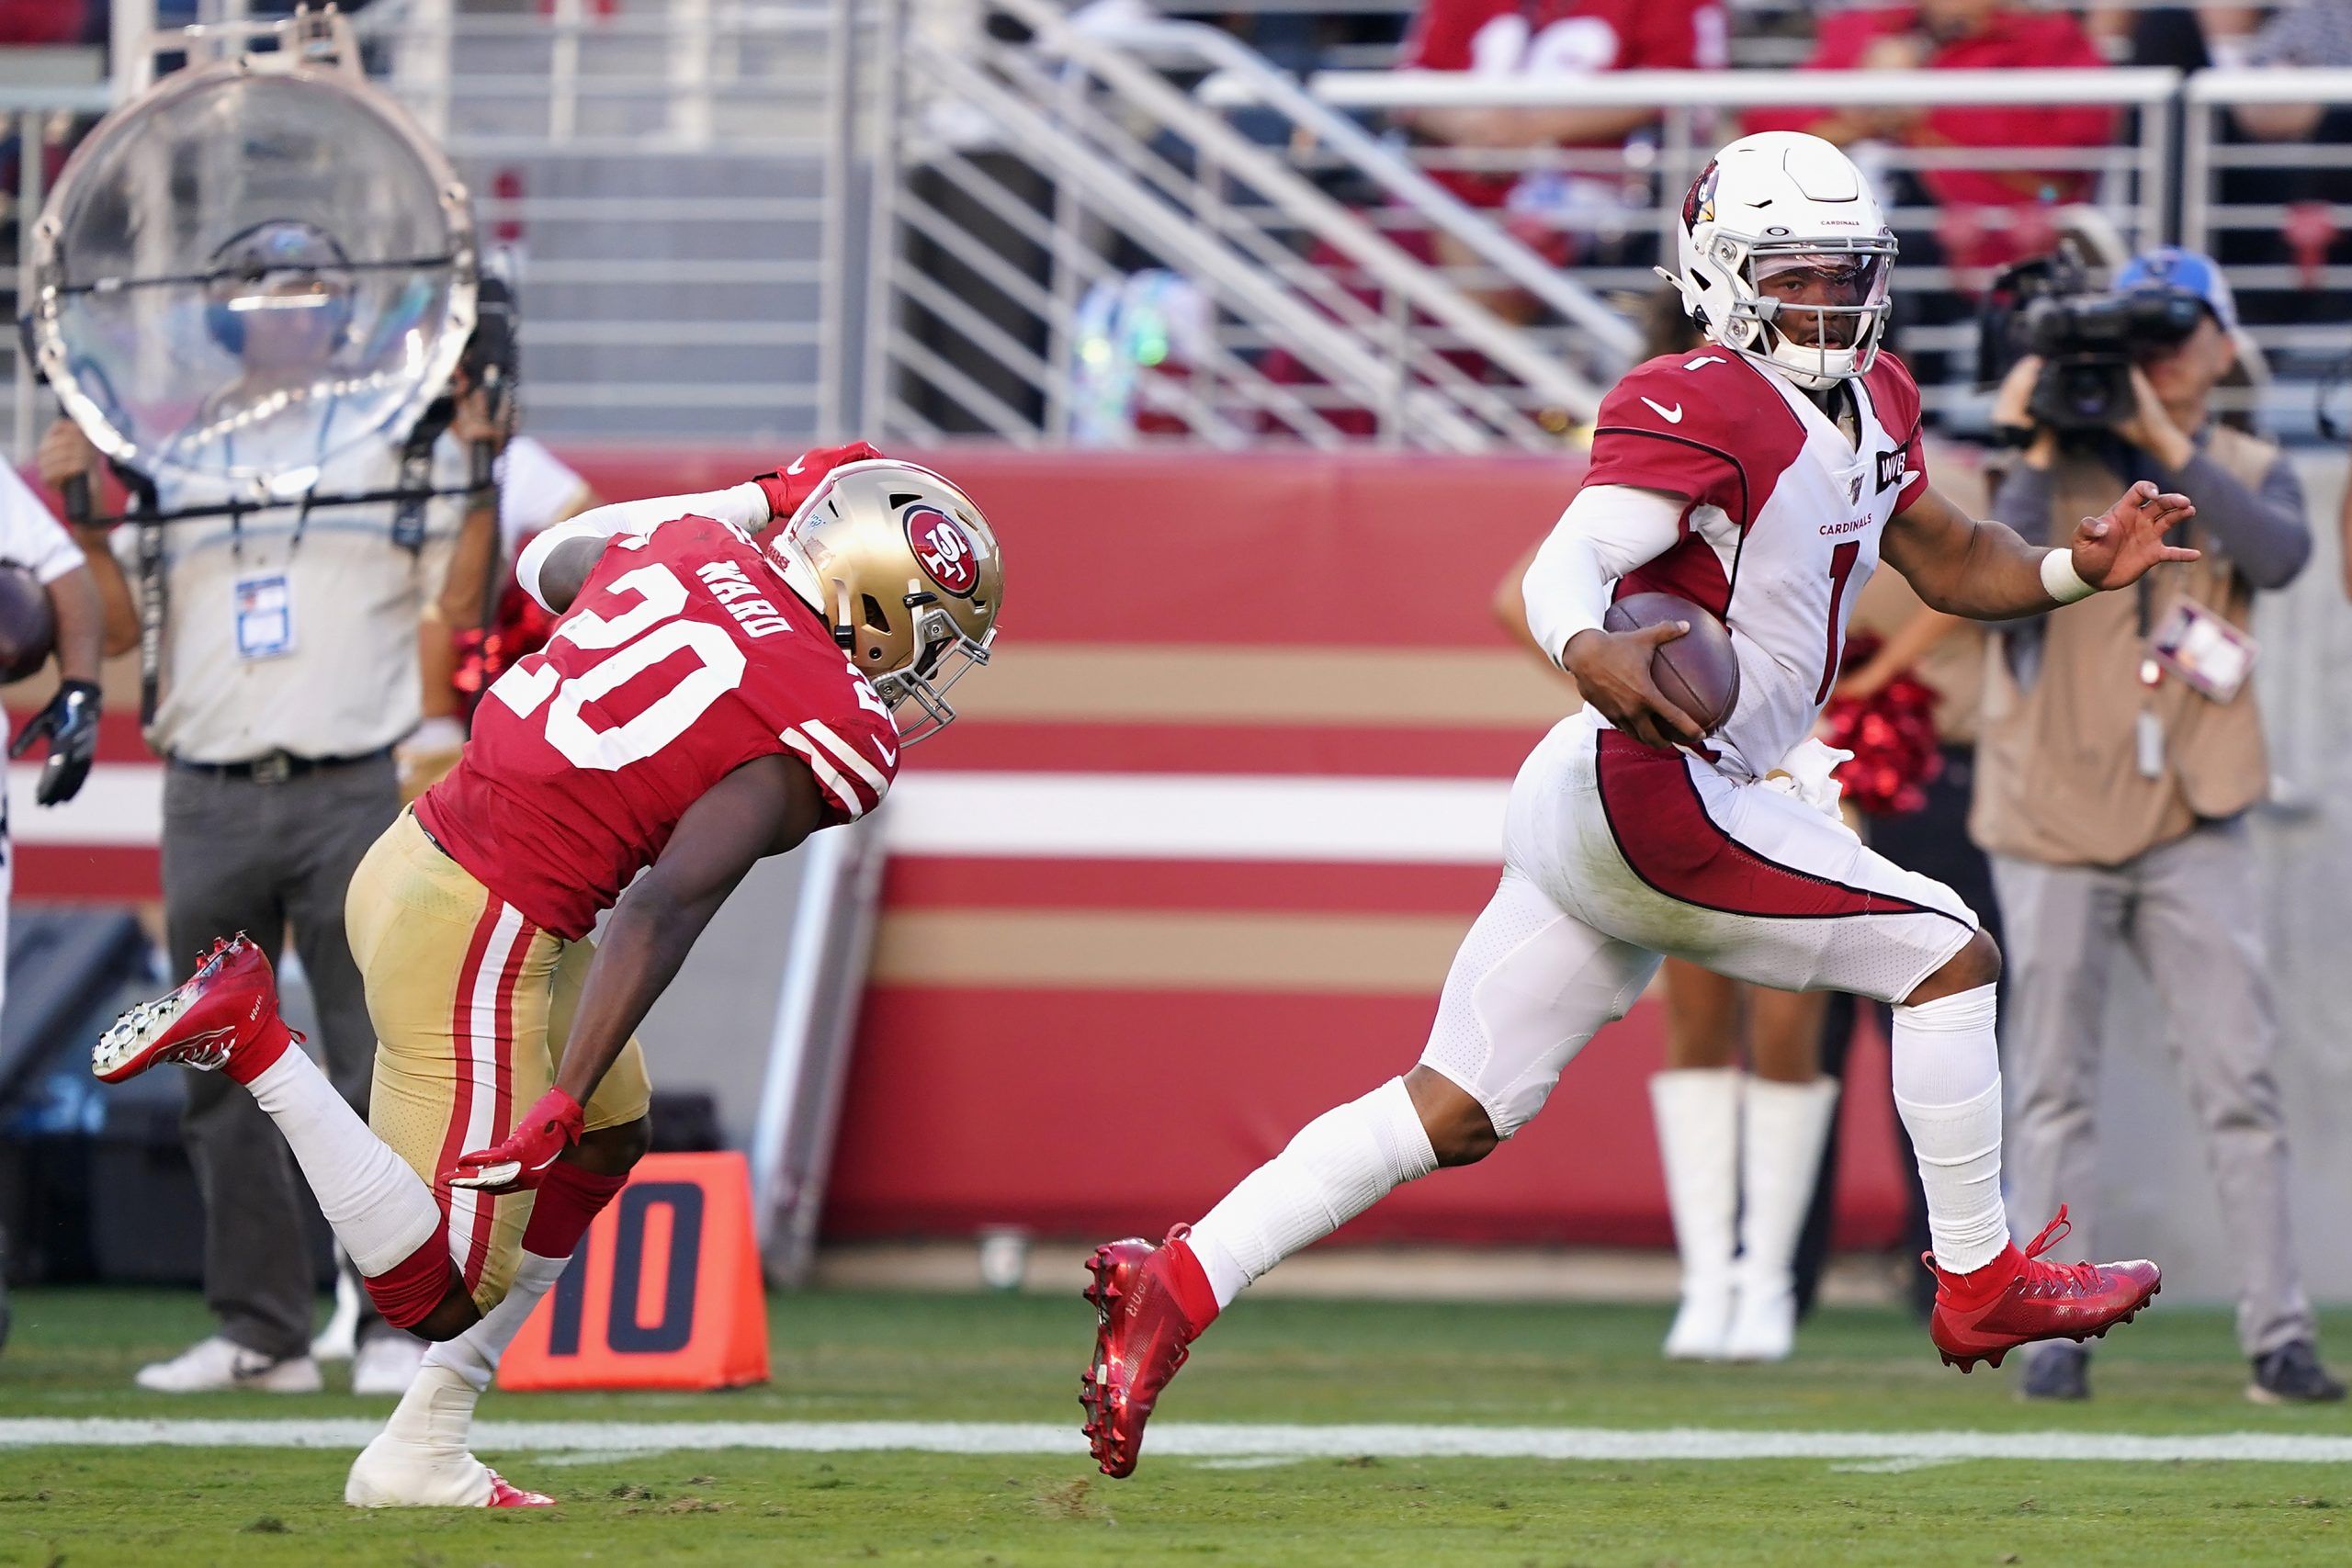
point(2127, 181)
point(1018, 180)
point(39, 119)
point(672, 187)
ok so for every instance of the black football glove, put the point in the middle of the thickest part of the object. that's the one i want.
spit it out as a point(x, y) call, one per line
point(70, 724)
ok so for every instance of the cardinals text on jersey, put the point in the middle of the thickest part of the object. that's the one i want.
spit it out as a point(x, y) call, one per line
point(1782, 521)
point(684, 656)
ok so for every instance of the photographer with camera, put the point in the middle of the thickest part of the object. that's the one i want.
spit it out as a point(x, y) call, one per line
point(284, 673)
point(2119, 749)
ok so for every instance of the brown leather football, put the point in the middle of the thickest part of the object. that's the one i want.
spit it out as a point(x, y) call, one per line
point(1697, 671)
point(28, 626)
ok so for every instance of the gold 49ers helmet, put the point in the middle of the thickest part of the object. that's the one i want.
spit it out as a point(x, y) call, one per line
point(904, 568)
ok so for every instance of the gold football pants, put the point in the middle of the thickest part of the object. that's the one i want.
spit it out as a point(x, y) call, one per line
point(471, 1004)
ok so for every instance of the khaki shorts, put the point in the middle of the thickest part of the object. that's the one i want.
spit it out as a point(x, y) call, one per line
point(471, 1004)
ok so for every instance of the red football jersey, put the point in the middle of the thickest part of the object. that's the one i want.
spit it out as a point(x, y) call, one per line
point(684, 656)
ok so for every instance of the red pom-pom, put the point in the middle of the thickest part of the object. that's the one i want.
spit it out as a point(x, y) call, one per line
point(1892, 734)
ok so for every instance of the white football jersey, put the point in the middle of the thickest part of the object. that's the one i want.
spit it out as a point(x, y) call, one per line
point(1782, 521)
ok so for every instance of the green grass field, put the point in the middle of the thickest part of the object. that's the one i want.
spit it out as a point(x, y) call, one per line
point(999, 1359)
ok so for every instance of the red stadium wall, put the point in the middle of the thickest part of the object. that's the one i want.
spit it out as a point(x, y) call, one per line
point(1103, 987)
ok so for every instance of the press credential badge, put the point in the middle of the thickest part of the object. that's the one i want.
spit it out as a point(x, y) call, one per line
point(264, 616)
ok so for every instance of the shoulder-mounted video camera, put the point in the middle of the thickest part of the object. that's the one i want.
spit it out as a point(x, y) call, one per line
point(2086, 338)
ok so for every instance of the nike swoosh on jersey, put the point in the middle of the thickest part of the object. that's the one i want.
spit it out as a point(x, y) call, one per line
point(795, 466)
point(1672, 415)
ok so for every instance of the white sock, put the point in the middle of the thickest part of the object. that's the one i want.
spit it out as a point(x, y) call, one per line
point(475, 1354)
point(381, 1211)
point(1339, 1165)
point(1947, 1075)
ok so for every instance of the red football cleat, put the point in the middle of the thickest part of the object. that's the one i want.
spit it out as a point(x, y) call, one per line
point(1150, 1303)
point(505, 1495)
point(226, 1016)
point(2017, 1299)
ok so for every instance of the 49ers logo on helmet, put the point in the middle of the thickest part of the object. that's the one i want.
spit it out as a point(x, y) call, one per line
point(943, 551)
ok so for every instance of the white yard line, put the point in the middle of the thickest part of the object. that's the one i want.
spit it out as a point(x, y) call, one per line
point(1197, 1440)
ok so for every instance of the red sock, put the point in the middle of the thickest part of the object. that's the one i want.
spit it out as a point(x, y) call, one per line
point(412, 1288)
point(1189, 1282)
point(254, 1056)
point(568, 1202)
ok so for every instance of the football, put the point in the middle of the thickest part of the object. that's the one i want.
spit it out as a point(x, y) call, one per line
point(28, 628)
point(1697, 671)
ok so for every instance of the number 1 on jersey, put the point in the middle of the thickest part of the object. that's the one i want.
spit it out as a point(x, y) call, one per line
point(1841, 567)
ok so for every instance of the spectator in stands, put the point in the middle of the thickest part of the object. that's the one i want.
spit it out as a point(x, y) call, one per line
point(2310, 35)
point(2121, 749)
point(1559, 203)
point(2314, 35)
point(51, 22)
point(1983, 209)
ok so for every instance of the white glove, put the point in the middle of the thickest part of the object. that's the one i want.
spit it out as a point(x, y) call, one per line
point(1806, 773)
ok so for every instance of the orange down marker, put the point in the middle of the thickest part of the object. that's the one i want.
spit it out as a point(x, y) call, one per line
point(665, 1290)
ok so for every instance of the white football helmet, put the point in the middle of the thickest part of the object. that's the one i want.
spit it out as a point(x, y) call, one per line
point(1772, 203)
point(904, 568)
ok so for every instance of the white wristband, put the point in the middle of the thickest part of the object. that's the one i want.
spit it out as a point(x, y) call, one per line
point(2061, 581)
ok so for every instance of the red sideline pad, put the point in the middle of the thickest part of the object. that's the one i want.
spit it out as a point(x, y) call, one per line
point(1112, 1113)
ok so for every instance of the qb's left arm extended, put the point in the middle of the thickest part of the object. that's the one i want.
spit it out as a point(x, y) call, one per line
point(763, 808)
point(1980, 569)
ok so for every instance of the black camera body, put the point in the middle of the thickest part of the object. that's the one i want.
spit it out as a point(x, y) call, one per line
point(2086, 339)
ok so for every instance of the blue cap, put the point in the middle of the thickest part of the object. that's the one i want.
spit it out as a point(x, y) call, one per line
point(2188, 271)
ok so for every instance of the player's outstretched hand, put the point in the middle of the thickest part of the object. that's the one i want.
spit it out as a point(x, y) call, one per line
point(2115, 550)
point(520, 1162)
point(1613, 670)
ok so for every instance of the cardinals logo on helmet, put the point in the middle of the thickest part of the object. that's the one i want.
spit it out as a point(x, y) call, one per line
point(943, 551)
point(1699, 207)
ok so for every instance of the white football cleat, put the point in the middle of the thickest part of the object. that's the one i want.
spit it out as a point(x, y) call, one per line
point(213, 1364)
point(419, 1461)
point(387, 1363)
point(390, 1474)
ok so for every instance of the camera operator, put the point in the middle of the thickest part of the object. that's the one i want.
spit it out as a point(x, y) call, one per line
point(286, 673)
point(2121, 748)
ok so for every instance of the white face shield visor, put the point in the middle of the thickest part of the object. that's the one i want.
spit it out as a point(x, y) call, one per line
point(1821, 307)
point(248, 270)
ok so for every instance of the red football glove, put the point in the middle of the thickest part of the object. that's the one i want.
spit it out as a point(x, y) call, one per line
point(795, 483)
point(520, 1161)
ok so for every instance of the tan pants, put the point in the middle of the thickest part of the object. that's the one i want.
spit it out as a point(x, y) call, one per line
point(471, 1004)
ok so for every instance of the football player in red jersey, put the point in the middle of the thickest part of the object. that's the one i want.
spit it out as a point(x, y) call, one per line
point(704, 701)
point(1761, 477)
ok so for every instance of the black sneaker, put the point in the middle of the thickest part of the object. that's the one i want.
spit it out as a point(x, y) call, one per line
point(2056, 1372)
point(2291, 1375)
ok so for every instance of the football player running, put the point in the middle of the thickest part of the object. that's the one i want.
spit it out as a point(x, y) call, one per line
point(704, 701)
point(1764, 477)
